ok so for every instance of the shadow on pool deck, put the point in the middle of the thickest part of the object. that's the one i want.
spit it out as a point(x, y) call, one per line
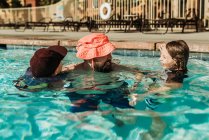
point(198, 42)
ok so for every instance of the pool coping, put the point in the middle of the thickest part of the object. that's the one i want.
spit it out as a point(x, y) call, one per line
point(131, 45)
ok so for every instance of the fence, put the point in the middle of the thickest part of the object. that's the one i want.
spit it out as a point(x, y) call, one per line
point(64, 8)
point(149, 9)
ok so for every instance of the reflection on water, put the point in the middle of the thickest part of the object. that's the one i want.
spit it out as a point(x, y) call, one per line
point(88, 89)
point(178, 114)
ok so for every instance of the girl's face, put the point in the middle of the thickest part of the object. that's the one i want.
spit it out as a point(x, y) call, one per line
point(165, 59)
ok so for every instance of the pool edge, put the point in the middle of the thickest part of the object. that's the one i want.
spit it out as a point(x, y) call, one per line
point(131, 45)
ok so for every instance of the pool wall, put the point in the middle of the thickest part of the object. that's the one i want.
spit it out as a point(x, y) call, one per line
point(123, 52)
point(131, 45)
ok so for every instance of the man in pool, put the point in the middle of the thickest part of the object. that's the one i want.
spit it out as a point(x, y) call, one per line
point(95, 49)
point(45, 65)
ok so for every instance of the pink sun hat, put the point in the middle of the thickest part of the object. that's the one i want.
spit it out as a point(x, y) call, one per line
point(94, 45)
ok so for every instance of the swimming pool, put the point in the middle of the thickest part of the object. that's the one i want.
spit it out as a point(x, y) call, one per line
point(184, 114)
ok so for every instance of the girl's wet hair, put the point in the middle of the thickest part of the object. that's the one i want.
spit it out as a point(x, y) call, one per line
point(179, 52)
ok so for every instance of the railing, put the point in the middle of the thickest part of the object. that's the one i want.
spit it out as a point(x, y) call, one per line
point(34, 14)
point(147, 9)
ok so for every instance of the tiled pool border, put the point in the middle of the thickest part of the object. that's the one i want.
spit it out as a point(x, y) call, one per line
point(132, 45)
point(119, 51)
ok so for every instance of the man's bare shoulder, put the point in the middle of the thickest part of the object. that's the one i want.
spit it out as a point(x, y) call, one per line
point(73, 67)
point(68, 67)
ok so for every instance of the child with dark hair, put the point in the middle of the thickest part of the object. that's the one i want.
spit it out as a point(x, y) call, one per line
point(174, 57)
point(45, 65)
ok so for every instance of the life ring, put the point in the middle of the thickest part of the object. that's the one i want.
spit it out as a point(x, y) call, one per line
point(101, 13)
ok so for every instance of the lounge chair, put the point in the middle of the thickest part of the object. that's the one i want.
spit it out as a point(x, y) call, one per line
point(63, 24)
point(6, 24)
point(191, 20)
point(20, 25)
point(43, 23)
point(137, 23)
point(172, 22)
point(88, 23)
point(106, 25)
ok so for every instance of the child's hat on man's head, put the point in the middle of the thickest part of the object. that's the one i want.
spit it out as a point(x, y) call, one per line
point(46, 60)
point(93, 46)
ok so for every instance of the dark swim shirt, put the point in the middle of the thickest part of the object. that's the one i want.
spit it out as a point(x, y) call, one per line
point(117, 97)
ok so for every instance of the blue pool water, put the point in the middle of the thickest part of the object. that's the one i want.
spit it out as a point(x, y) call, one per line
point(181, 113)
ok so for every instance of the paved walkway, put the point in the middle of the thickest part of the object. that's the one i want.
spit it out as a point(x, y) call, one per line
point(134, 40)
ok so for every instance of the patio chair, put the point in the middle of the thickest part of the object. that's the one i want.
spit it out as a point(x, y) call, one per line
point(67, 23)
point(207, 24)
point(121, 23)
point(159, 21)
point(137, 23)
point(183, 22)
point(172, 22)
point(20, 25)
point(43, 23)
point(87, 22)
point(111, 23)
point(191, 20)
point(6, 24)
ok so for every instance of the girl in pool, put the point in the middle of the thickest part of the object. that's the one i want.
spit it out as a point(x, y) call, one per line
point(173, 58)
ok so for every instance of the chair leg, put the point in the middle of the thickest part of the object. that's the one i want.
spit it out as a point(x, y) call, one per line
point(166, 30)
point(26, 26)
point(89, 26)
point(46, 29)
point(167, 24)
point(184, 24)
point(196, 24)
point(63, 30)
point(76, 28)
point(33, 27)
point(107, 28)
point(142, 27)
point(172, 29)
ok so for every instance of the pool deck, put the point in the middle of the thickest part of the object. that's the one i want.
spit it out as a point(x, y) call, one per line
point(198, 42)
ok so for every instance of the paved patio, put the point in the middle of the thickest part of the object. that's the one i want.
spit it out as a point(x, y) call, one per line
point(198, 42)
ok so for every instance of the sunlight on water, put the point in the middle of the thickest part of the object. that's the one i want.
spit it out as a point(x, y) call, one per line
point(180, 113)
